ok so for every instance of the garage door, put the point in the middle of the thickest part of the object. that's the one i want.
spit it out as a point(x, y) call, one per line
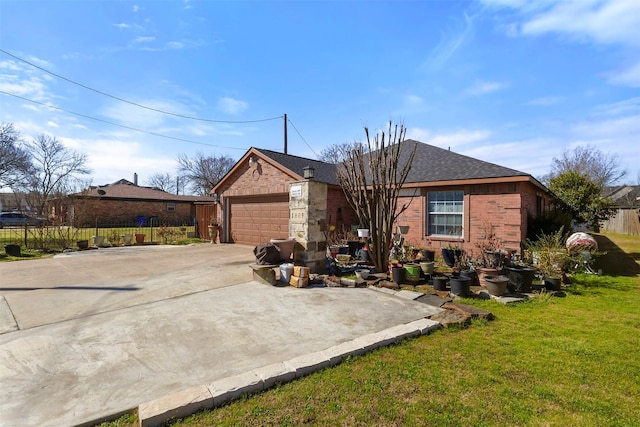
point(256, 220)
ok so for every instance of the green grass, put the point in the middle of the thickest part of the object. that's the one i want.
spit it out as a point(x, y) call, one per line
point(569, 360)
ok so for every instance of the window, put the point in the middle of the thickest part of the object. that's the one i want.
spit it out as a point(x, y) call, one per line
point(444, 213)
point(171, 206)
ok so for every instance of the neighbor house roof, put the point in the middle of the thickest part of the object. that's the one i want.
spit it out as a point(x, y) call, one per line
point(124, 189)
point(624, 196)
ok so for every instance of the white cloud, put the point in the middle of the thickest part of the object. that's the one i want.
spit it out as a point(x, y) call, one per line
point(122, 26)
point(142, 39)
point(446, 140)
point(545, 101)
point(232, 106)
point(628, 77)
point(413, 99)
point(615, 21)
point(136, 8)
point(631, 105)
point(483, 88)
point(52, 124)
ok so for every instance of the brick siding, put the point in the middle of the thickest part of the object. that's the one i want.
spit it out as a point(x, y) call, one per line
point(108, 211)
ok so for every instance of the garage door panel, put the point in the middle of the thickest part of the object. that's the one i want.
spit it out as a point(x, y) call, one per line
point(256, 220)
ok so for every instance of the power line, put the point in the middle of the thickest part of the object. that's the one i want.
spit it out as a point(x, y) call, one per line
point(134, 103)
point(301, 137)
point(119, 125)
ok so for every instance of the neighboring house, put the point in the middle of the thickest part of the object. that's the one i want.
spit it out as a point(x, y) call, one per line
point(14, 202)
point(128, 203)
point(451, 198)
point(627, 217)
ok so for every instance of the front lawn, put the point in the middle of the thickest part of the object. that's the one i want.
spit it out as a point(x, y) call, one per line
point(569, 360)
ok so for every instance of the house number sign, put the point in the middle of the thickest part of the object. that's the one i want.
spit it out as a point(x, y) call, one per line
point(295, 191)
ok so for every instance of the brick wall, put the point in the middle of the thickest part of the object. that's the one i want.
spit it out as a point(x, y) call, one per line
point(262, 178)
point(87, 210)
point(339, 211)
point(502, 206)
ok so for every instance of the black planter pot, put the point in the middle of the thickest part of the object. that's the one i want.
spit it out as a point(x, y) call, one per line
point(553, 283)
point(496, 285)
point(520, 278)
point(428, 255)
point(460, 286)
point(397, 274)
point(13, 250)
point(472, 275)
point(440, 283)
point(450, 256)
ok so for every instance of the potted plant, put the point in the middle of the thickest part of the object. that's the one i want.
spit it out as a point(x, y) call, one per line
point(213, 228)
point(550, 256)
point(451, 255)
point(490, 260)
point(496, 285)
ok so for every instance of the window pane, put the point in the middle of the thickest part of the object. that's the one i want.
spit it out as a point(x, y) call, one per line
point(445, 210)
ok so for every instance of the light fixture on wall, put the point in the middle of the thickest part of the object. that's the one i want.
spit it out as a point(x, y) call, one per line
point(216, 198)
point(252, 161)
point(308, 172)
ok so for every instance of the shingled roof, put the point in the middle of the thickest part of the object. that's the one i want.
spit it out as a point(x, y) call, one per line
point(123, 189)
point(323, 172)
point(437, 164)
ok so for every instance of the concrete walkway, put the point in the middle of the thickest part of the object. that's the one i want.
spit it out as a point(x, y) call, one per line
point(91, 334)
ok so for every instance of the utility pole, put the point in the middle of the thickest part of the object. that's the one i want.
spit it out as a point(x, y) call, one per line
point(285, 133)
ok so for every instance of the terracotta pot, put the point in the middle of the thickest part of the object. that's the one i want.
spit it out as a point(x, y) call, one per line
point(140, 238)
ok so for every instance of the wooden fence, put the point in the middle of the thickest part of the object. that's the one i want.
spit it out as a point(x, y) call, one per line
point(625, 221)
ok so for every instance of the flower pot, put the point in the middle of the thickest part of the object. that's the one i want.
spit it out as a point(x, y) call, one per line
point(553, 283)
point(440, 283)
point(450, 256)
point(82, 244)
point(127, 239)
point(213, 232)
point(13, 250)
point(412, 273)
point(403, 229)
point(285, 246)
point(397, 274)
point(363, 232)
point(496, 285)
point(520, 278)
point(98, 240)
point(460, 286)
point(427, 267)
point(483, 272)
point(353, 247)
point(140, 238)
point(472, 275)
point(427, 255)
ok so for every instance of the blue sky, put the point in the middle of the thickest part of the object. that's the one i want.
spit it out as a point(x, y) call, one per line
point(513, 82)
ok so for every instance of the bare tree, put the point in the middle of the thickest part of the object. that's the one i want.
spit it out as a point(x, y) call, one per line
point(203, 172)
point(338, 153)
point(56, 170)
point(372, 182)
point(14, 158)
point(164, 181)
point(600, 168)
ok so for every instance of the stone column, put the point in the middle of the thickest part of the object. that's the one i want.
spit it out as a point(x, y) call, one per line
point(308, 211)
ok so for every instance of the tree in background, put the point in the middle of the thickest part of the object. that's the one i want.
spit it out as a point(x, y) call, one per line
point(56, 169)
point(201, 173)
point(600, 168)
point(582, 198)
point(167, 182)
point(337, 153)
point(15, 161)
point(371, 177)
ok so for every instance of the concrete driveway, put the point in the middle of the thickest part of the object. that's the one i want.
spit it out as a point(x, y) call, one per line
point(90, 334)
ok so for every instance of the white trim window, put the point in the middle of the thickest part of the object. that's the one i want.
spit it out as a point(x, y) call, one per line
point(171, 206)
point(444, 213)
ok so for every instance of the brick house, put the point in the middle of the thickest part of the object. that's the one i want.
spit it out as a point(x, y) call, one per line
point(128, 203)
point(451, 198)
point(254, 196)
